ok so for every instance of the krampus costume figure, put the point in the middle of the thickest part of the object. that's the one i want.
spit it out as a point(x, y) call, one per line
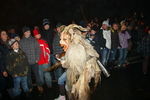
point(83, 72)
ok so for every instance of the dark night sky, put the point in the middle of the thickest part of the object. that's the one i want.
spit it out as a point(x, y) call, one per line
point(20, 12)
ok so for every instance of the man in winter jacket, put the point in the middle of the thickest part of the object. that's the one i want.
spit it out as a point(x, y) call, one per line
point(103, 42)
point(57, 49)
point(114, 43)
point(47, 33)
point(32, 49)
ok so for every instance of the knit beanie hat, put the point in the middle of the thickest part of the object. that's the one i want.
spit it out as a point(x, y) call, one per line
point(58, 25)
point(36, 32)
point(25, 29)
point(95, 28)
point(106, 22)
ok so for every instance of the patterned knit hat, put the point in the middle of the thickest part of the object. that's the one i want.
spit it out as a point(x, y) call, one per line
point(12, 41)
point(46, 22)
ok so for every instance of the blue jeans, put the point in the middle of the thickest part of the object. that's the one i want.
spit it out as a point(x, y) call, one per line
point(57, 72)
point(20, 82)
point(62, 79)
point(45, 75)
point(122, 55)
point(104, 55)
point(35, 69)
point(113, 55)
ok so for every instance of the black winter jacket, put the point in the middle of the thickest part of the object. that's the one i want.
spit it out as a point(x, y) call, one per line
point(99, 40)
point(48, 36)
point(114, 39)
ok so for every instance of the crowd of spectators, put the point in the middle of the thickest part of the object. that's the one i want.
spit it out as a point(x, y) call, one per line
point(22, 58)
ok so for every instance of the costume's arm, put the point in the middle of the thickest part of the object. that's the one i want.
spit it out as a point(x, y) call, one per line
point(63, 62)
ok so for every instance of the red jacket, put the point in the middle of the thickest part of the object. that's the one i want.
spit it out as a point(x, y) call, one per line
point(45, 52)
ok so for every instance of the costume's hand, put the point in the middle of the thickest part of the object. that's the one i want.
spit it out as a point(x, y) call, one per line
point(46, 69)
point(62, 60)
point(57, 56)
point(36, 61)
point(15, 75)
point(5, 74)
point(119, 47)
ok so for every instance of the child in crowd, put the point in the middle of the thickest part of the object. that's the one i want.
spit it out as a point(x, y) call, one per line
point(44, 61)
point(17, 67)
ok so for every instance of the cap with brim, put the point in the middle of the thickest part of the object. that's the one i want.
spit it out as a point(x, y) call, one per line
point(45, 23)
point(12, 41)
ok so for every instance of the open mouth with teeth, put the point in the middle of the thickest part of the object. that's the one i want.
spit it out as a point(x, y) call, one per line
point(65, 47)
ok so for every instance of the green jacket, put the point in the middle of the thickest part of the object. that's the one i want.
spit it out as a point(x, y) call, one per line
point(17, 63)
